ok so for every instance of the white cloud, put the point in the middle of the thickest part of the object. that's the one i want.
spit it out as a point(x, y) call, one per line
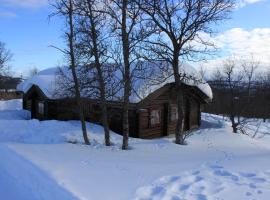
point(242, 42)
point(7, 14)
point(242, 3)
point(25, 3)
point(245, 44)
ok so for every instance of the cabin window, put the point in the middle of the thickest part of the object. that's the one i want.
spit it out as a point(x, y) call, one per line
point(41, 108)
point(155, 117)
point(174, 113)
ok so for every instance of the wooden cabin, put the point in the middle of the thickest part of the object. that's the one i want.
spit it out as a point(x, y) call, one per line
point(151, 117)
point(8, 88)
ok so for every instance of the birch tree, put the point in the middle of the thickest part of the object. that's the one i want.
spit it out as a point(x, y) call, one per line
point(5, 58)
point(180, 25)
point(93, 44)
point(66, 9)
point(129, 32)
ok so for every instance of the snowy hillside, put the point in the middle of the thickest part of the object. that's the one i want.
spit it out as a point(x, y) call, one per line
point(37, 162)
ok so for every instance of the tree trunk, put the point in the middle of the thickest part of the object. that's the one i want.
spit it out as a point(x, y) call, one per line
point(127, 83)
point(179, 132)
point(75, 78)
point(179, 136)
point(100, 78)
point(234, 124)
point(104, 106)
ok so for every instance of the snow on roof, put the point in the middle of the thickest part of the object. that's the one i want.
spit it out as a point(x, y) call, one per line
point(196, 79)
point(46, 81)
point(189, 76)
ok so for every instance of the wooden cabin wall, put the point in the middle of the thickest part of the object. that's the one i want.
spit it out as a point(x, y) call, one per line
point(139, 114)
point(147, 131)
point(31, 102)
point(171, 122)
point(166, 103)
point(194, 114)
point(67, 110)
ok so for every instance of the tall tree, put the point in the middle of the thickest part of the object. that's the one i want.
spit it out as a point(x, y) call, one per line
point(236, 85)
point(66, 9)
point(127, 28)
point(179, 27)
point(5, 57)
point(93, 30)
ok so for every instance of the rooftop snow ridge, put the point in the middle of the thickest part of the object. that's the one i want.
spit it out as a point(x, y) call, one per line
point(46, 81)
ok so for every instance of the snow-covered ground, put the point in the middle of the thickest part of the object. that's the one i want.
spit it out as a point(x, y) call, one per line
point(38, 162)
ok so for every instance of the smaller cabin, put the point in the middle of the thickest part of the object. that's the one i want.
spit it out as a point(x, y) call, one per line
point(151, 117)
point(8, 88)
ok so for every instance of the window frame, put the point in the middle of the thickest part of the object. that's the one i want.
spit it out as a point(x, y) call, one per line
point(173, 110)
point(41, 108)
point(156, 124)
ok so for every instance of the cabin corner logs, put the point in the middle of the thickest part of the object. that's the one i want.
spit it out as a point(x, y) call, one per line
point(153, 117)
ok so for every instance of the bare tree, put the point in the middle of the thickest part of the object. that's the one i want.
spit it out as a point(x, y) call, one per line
point(202, 72)
point(263, 94)
point(249, 68)
point(236, 85)
point(5, 57)
point(180, 25)
point(66, 9)
point(234, 80)
point(93, 29)
point(32, 71)
point(129, 32)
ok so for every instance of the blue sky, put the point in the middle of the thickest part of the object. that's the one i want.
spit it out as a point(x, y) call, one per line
point(28, 33)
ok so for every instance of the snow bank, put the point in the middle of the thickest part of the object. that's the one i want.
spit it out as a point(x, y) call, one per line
point(12, 109)
point(14, 104)
point(44, 132)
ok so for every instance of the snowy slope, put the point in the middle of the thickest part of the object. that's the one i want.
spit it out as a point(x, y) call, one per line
point(216, 164)
point(21, 180)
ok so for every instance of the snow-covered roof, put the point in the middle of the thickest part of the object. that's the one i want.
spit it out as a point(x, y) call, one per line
point(46, 80)
point(189, 76)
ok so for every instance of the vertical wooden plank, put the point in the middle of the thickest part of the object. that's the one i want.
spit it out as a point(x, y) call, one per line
point(166, 119)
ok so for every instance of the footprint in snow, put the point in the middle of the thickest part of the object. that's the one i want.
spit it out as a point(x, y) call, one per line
point(184, 187)
point(175, 198)
point(198, 178)
point(212, 181)
point(195, 172)
point(158, 190)
point(226, 174)
point(247, 175)
point(258, 180)
point(259, 192)
point(174, 178)
point(248, 194)
point(252, 185)
point(216, 167)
